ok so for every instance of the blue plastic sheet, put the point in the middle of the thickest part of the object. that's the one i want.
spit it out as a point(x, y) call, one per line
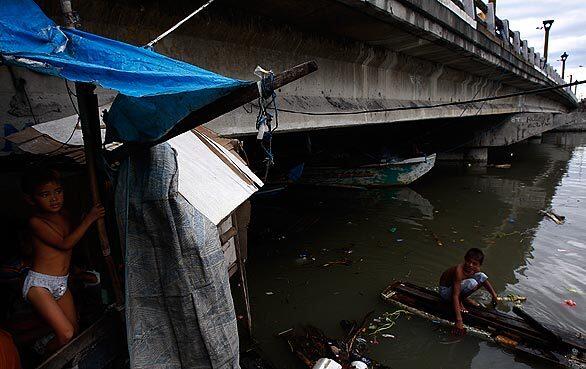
point(155, 91)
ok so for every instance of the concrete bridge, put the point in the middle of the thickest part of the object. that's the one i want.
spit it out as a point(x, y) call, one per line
point(373, 54)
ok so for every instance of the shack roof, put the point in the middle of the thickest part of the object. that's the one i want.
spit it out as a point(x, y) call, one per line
point(211, 177)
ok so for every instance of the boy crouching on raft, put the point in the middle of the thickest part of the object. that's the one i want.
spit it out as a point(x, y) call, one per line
point(460, 281)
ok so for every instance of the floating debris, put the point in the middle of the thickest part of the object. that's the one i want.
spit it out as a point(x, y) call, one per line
point(570, 303)
point(574, 290)
point(436, 239)
point(385, 322)
point(512, 298)
point(558, 219)
point(313, 347)
point(346, 262)
point(499, 234)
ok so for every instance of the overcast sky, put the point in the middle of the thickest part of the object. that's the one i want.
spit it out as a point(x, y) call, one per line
point(568, 32)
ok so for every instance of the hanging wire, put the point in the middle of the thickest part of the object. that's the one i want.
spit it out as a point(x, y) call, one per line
point(63, 144)
point(454, 103)
point(28, 101)
point(70, 93)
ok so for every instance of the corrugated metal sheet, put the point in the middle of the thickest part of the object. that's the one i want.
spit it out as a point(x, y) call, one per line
point(211, 178)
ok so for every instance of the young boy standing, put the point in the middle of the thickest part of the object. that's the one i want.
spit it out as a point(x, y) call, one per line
point(460, 281)
point(53, 238)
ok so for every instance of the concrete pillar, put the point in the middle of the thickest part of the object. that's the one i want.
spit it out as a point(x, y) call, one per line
point(531, 55)
point(470, 8)
point(517, 41)
point(537, 139)
point(476, 157)
point(525, 49)
point(505, 32)
point(490, 18)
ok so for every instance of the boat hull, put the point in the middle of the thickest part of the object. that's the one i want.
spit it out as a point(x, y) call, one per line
point(392, 174)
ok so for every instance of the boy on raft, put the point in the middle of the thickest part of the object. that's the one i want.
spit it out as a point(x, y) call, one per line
point(460, 281)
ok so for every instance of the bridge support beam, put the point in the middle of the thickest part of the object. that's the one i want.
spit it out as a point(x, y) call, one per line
point(477, 156)
point(516, 128)
point(508, 130)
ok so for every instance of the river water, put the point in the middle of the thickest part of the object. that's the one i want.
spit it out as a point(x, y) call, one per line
point(387, 234)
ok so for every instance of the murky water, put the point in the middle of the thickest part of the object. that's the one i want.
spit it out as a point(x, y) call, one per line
point(388, 236)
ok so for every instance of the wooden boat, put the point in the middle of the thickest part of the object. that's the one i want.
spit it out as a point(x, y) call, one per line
point(523, 335)
point(393, 173)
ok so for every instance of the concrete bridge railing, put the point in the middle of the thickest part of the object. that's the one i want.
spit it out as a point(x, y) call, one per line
point(483, 17)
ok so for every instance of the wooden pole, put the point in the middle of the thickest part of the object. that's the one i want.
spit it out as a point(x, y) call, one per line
point(89, 116)
point(242, 274)
point(223, 105)
point(87, 102)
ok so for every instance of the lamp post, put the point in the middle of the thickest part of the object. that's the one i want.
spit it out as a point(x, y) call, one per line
point(564, 56)
point(546, 26)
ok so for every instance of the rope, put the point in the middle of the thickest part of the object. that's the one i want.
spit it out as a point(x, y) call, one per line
point(264, 119)
point(153, 42)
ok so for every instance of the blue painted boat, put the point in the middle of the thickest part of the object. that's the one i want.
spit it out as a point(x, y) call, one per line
point(392, 173)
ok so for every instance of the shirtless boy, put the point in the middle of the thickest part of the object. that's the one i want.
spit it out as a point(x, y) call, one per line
point(460, 281)
point(53, 238)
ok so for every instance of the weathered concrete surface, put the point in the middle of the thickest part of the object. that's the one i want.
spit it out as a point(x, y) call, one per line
point(515, 128)
point(372, 54)
point(572, 122)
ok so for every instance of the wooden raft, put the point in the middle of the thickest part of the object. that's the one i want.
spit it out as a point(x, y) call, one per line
point(521, 335)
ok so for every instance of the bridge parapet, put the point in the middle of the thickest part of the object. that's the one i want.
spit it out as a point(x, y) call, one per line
point(484, 15)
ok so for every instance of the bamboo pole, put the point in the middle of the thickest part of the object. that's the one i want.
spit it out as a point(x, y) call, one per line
point(223, 105)
point(89, 116)
point(87, 102)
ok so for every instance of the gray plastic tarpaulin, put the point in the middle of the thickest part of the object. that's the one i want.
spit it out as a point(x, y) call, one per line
point(179, 309)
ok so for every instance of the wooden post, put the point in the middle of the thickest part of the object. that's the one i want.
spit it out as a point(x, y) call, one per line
point(87, 102)
point(221, 106)
point(242, 274)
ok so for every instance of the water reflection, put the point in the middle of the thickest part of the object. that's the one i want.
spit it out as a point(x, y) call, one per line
point(392, 234)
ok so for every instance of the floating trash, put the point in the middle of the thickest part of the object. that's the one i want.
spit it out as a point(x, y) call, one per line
point(570, 303)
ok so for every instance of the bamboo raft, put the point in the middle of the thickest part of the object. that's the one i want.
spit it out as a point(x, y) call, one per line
point(523, 334)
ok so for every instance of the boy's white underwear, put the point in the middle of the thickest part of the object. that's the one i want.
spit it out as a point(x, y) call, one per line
point(56, 285)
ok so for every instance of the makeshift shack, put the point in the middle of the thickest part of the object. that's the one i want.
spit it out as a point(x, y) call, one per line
point(174, 191)
point(208, 166)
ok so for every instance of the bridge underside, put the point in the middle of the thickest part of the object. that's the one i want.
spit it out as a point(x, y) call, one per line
point(372, 55)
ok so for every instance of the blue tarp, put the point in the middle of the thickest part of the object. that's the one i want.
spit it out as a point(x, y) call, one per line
point(155, 91)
